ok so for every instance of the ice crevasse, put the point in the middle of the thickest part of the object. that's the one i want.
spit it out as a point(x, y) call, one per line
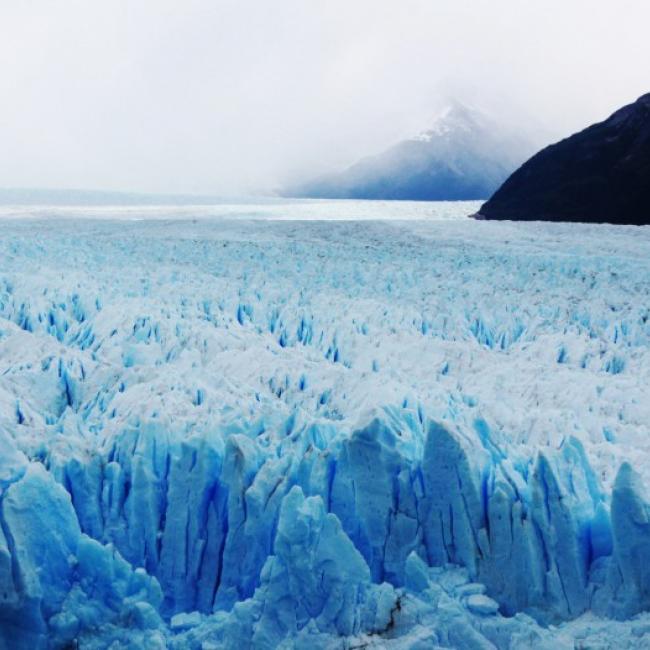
point(143, 507)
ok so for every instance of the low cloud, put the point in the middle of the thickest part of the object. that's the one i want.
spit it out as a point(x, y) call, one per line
point(233, 97)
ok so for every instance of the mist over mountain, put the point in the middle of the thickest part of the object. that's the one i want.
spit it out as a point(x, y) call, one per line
point(464, 155)
point(601, 174)
point(82, 197)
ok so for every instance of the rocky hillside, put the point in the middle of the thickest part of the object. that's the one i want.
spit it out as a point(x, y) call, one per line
point(601, 174)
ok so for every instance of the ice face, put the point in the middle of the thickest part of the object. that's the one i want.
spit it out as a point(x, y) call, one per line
point(233, 434)
point(57, 581)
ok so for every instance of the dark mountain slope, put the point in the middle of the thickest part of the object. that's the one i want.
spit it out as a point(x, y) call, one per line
point(601, 174)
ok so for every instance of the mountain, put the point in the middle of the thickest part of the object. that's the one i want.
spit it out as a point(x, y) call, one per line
point(464, 155)
point(601, 174)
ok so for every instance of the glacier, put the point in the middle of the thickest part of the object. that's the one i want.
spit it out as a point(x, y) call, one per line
point(224, 432)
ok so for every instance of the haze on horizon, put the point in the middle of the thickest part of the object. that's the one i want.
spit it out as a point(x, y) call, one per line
point(233, 97)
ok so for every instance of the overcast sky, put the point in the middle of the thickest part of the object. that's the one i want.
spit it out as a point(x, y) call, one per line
point(231, 96)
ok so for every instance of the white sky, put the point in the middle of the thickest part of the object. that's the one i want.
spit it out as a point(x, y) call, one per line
point(230, 96)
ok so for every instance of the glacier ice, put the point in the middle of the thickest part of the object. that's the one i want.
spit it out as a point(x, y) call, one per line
point(222, 433)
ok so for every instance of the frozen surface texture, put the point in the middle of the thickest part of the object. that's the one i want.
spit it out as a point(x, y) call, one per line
point(234, 434)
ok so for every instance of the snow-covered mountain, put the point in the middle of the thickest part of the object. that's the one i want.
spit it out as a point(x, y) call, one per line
point(464, 155)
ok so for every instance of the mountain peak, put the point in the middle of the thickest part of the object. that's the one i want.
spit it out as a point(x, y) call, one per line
point(454, 117)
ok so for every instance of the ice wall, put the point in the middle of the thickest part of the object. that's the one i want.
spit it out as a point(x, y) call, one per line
point(57, 582)
point(540, 541)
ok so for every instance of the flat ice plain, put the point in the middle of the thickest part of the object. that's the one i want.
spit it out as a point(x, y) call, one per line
point(322, 425)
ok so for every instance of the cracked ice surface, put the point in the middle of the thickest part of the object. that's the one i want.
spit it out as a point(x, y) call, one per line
point(231, 433)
